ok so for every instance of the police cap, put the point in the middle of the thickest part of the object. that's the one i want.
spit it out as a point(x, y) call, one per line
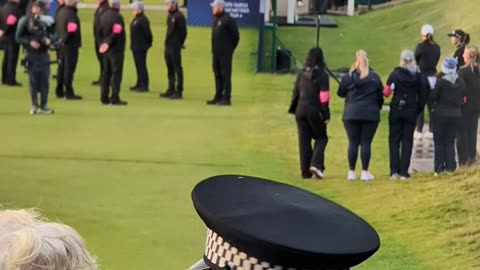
point(256, 223)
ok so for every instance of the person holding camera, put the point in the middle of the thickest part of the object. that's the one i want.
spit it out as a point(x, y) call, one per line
point(447, 99)
point(409, 98)
point(363, 92)
point(427, 56)
point(68, 28)
point(36, 32)
point(468, 131)
point(10, 13)
point(311, 96)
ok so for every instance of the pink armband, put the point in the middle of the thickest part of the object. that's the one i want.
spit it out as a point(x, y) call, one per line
point(72, 27)
point(324, 96)
point(117, 29)
point(11, 20)
point(387, 91)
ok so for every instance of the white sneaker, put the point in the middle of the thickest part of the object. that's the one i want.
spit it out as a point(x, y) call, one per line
point(33, 110)
point(395, 176)
point(403, 178)
point(352, 176)
point(428, 135)
point(417, 135)
point(318, 174)
point(367, 176)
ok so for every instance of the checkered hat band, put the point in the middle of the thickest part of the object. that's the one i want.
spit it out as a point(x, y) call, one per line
point(223, 254)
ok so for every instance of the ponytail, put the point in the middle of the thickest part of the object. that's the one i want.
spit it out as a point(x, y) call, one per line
point(430, 39)
point(466, 40)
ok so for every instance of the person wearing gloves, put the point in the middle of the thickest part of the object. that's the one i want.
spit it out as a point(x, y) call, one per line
point(311, 96)
point(459, 39)
point(427, 56)
point(467, 133)
point(363, 92)
point(447, 99)
point(408, 88)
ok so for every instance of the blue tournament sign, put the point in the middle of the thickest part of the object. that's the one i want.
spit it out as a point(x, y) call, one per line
point(247, 13)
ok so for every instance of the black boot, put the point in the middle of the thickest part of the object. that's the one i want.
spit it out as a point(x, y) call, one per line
point(167, 94)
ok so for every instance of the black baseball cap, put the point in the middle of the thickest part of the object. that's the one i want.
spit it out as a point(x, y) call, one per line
point(255, 223)
point(460, 34)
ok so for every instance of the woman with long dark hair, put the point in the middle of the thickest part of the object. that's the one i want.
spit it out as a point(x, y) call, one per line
point(311, 96)
point(408, 88)
point(363, 92)
point(459, 39)
point(427, 56)
point(467, 133)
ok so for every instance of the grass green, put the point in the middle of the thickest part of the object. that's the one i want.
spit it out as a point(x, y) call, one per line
point(123, 176)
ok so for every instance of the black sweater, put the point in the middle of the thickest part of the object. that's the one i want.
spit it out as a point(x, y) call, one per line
point(427, 55)
point(447, 98)
point(363, 97)
point(176, 30)
point(141, 37)
point(309, 85)
point(225, 35)
point(459, 56)
point(409, 87)
point(472, 90)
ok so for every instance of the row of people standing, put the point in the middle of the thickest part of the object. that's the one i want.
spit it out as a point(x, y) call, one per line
point(452, 99)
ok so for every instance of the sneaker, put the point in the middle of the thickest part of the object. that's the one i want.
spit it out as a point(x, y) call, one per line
point(404, 178)
point(417, 135)
point(367, 176)
point(33, 110)
point(318, 174)
point(395, 176)
point(428, 135)
point(45, 110)
point(352, 176)
point(435, 174)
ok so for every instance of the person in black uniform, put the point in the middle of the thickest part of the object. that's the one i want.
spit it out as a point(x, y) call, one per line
point(225, 38)
point(447, 98)
point(459, 39)
point(61, 4)
point(468, 131)
point(37, 33)
point(102, 7)
point(427, 55)
point(112, 46)
point(310, 99)
point(141, 41)
point(69, 31)
point(174, 43)
point(10, 13)
point(409, 98)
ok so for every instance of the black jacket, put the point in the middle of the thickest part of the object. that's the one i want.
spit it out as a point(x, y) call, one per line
point(447, 98)
point(309, 86)
point(112, 30)
point(102, 7)
point(141, 38)
point(176, 30)
point(459, 56)
point(472, 90)
point(68, 27)
point(427, 55)
point(363, 97)
point(409, 95)
point(10, 14)
point(225, 35)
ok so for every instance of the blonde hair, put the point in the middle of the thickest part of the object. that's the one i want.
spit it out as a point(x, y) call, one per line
point(28, 243)
point(361, 64)
point(475, 55)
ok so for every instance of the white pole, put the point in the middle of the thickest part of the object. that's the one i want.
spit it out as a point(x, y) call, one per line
point(351, 8)
point(292, 4)
point(267, 10)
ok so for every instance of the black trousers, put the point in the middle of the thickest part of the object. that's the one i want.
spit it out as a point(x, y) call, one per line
point(444, 133)
point(310, 127)
point(100, 60)
point(360, 133)
point(140, 58)
point(9, 64)
point(68, 57)
point(112, 76)
point(400, 143)
point(173, 60)
point(467, 139)
point(39, 77)
point(222, 68)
